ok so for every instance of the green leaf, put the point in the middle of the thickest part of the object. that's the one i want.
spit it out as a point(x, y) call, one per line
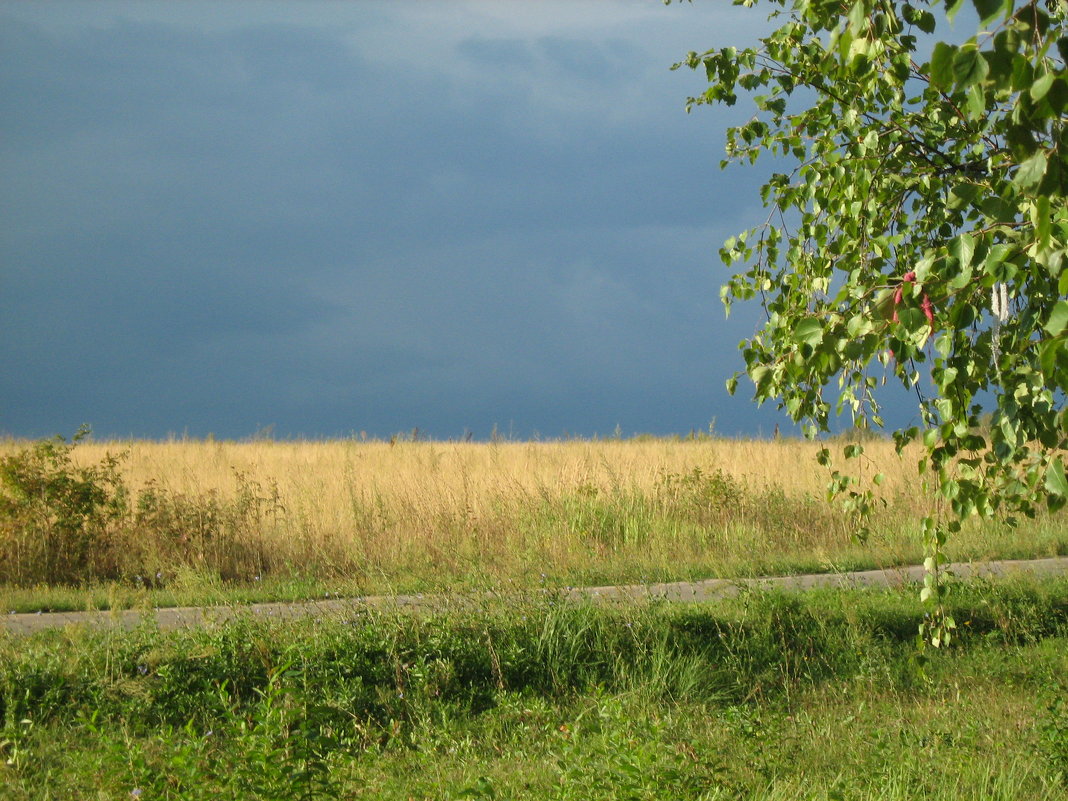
point(923, 268)
point(988, 9)
point(963, 195)
point(1047, 357)
point(961, 279)
point(1041, 86)
point(1023, 74)
point(857, 17)
point(1030, 173)
point(1058, 319)
point(809, 332)
point(915, 323)
point(948, 376)
point(963, 248)
point(1040, 216)
point(760, 375)
point(975, 105)
point(1058, 95)
point(858, 326)
point(942, 64)
point(1056, 483)
point(997, 255)
point(998, 209)
point(969, 66)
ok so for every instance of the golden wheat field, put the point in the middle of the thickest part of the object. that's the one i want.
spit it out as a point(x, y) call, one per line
point(407, 515)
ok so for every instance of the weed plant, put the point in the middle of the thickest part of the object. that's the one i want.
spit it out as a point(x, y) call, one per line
point(767, 696)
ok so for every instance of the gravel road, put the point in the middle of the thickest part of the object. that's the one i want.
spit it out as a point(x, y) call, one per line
point(693, 591)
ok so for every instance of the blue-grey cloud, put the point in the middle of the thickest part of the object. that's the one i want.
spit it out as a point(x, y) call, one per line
point(216, 224)
point(499, 53)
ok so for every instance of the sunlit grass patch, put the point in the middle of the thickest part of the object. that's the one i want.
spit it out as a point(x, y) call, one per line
point(763, 696)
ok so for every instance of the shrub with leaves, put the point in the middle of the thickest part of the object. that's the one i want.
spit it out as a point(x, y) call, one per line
point(55, 516)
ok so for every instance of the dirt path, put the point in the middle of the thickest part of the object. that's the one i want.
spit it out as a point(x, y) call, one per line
point(708, 590)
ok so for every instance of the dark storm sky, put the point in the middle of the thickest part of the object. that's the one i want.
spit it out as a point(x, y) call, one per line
point(366, 216)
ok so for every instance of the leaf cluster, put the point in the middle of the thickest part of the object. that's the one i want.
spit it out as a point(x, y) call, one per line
point(918, 235)
point(925, 176)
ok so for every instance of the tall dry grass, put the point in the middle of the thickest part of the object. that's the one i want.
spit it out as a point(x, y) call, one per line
point(412, 514)
point(438, 474)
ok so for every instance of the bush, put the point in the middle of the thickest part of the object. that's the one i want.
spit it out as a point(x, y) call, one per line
point(56, 519)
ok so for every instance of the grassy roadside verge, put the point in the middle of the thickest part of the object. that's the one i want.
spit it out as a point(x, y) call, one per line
point(192, 589)
point(765, 696)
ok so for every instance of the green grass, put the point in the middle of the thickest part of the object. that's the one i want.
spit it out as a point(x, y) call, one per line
point(769, 696)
